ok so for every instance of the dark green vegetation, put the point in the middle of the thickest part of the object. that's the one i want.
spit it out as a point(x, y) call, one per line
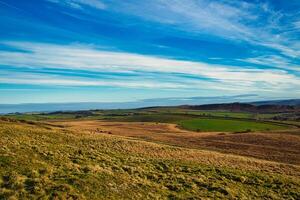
point(227, 125)
point(40, 161)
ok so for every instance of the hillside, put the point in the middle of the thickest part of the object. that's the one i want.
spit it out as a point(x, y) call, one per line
point(46, 161)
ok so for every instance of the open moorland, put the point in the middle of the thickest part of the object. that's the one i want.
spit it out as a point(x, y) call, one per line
point(154, 153)
point(283, 146)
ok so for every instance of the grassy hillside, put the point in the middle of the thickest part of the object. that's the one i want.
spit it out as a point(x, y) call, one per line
point(47, 162)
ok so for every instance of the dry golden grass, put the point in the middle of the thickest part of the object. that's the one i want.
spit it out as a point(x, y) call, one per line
point(40, 161)
point(280, 146)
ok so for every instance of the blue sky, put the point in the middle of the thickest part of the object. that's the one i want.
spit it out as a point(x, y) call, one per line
point(116, 51)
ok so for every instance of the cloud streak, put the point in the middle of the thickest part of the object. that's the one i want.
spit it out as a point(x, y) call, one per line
point(78, 4)
point(149, 71)
point(257, 23)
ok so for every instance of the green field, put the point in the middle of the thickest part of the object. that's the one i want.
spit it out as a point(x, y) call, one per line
point(227, 125)
point(50, 163)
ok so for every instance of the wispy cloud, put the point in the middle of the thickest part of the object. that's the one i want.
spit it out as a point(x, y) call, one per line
point(214, 47)
point(257, 23)
point(213, 17)
point(274, 61)
point(78, 4)
point(152, 72)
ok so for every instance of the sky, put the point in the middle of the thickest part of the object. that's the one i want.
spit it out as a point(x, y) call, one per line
point(128, 50)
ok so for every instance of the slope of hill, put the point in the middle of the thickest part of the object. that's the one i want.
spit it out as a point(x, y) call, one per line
point(40, 161)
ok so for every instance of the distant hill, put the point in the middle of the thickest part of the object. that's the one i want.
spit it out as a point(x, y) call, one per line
point(248, 107)
point(289, 102)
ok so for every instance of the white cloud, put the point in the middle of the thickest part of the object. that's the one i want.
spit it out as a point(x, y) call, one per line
point(50, 80)
point(77, 4)
point(297, 24)
point(191, 16)
point(257, 23)
point(154, 72)
point(274, 61)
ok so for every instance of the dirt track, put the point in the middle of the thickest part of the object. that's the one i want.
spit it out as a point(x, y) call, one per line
point(280, 146)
